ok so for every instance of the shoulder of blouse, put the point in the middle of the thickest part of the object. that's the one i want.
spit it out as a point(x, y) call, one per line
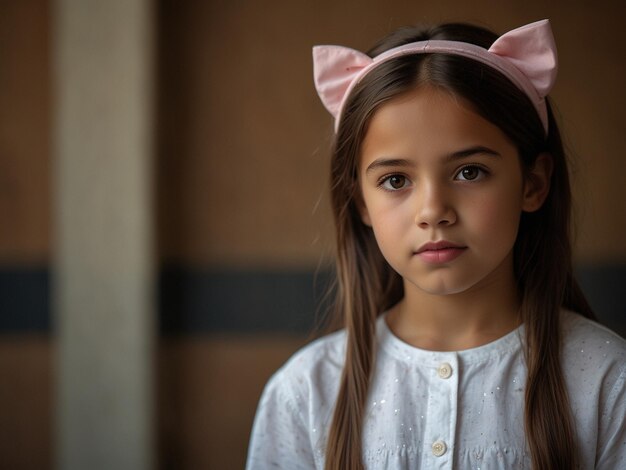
point(580, 335)
point(592, 354)
point(315, 364)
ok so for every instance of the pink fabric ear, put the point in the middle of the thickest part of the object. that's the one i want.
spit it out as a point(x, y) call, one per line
point(334, 69)
point(526, 56)
point(532, 50)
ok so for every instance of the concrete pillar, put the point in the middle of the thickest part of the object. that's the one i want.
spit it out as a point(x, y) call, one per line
point(103, 279)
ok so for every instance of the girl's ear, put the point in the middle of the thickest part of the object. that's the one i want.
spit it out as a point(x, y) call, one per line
point(537, 183)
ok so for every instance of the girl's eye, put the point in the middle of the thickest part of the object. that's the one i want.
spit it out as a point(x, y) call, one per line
point(471, 173)
point(394, 182)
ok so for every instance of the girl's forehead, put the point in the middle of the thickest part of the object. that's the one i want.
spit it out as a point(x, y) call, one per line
point(428, 120)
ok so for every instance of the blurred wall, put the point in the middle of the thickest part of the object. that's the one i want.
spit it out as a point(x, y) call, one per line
point(243, 218)
point(25, 348)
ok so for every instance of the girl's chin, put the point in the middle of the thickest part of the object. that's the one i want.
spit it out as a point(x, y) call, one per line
point(440, 287)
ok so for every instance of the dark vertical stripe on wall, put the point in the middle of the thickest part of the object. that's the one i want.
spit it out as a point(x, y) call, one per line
point(24, 300)
point(197, 301)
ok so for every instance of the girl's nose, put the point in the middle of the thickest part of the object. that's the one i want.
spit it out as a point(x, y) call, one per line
point(435, 210)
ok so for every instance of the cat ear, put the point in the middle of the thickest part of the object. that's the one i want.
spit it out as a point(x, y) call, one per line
point(334, 69)
point(532, 50)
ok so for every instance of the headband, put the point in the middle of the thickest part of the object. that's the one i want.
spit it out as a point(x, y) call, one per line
point(526, 56)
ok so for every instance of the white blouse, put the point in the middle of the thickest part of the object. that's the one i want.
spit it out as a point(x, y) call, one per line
point(443, 410)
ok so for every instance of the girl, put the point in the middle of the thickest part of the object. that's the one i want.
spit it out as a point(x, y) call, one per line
point(460, 347)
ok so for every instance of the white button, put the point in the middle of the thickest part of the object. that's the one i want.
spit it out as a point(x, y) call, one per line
point(439, 448)
point(445, 370)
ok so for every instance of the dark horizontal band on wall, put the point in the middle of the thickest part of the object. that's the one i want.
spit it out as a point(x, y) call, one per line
point(198, 301)
point(24, 300)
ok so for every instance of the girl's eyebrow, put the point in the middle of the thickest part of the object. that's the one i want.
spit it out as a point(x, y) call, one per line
point(388, 162)
point(472, 151)
point(385, 162)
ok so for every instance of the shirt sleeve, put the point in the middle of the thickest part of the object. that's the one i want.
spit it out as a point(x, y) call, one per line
point(280, 438)
point(612, 433)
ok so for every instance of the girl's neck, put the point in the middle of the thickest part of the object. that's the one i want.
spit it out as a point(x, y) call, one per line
point(458, 321)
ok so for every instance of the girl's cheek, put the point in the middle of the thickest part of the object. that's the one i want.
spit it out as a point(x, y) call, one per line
point(498, 216)
point(394, 214)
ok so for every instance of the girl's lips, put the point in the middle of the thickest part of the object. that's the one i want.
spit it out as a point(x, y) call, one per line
point(445, 255)
point(439, 252)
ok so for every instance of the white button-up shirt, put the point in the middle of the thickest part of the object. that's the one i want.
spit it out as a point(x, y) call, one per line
point(443, 410)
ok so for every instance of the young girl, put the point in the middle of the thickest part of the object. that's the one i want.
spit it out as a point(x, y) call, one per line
point(467, 343)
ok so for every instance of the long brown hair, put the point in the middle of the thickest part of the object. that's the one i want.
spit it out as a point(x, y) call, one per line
point(367, 286)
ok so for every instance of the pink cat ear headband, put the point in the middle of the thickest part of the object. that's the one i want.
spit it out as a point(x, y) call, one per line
point(526, 56)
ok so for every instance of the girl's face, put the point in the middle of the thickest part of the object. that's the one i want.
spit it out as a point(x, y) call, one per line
point(443, 190)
